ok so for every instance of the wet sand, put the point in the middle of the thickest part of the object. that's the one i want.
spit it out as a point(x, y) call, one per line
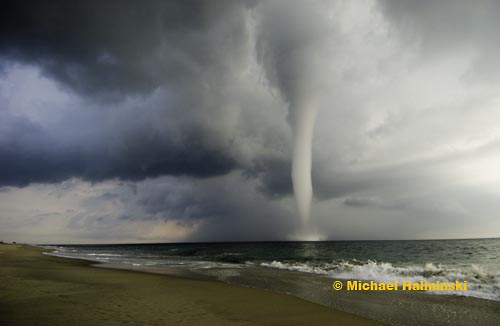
point(37, 289)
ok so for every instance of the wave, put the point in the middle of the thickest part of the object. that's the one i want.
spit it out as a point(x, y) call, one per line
point(481, 283)
point(104, 255)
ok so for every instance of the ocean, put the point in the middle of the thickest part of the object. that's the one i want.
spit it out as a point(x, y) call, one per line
point(283, 266)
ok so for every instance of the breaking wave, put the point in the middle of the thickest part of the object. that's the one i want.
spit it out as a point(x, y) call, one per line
point(481, 283)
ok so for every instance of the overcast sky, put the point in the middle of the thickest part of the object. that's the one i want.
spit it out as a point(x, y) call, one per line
point(159, 121)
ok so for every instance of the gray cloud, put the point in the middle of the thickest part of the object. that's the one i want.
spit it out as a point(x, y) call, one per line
point(181, 64)
point(29, 155)
point(113, 48)
point(178, 114)
point(441, 28)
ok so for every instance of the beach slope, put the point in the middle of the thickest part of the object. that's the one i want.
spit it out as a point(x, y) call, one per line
point(37, 289)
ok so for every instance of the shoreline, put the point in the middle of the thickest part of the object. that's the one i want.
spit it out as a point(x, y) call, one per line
point(48, 290)
point(401, 308)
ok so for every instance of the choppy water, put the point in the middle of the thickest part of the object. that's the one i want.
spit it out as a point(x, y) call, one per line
point(476, 260)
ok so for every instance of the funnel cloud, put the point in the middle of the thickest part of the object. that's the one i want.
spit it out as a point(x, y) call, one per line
point(294, 41)
point(303, 129)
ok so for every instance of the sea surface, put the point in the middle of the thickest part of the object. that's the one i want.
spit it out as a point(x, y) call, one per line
point(476, 261)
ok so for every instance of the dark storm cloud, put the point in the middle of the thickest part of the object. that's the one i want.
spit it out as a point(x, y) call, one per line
point(227, 207)
point(274, 175)
point(107, 52)
point(189, 100)
point(107, 48)
point(193, 53)
point(30, 155)
point(26, 154)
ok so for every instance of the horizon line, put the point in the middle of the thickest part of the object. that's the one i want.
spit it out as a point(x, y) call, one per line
point(246, 241)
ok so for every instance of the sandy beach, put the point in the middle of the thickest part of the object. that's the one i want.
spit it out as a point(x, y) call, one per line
point(37, 289)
